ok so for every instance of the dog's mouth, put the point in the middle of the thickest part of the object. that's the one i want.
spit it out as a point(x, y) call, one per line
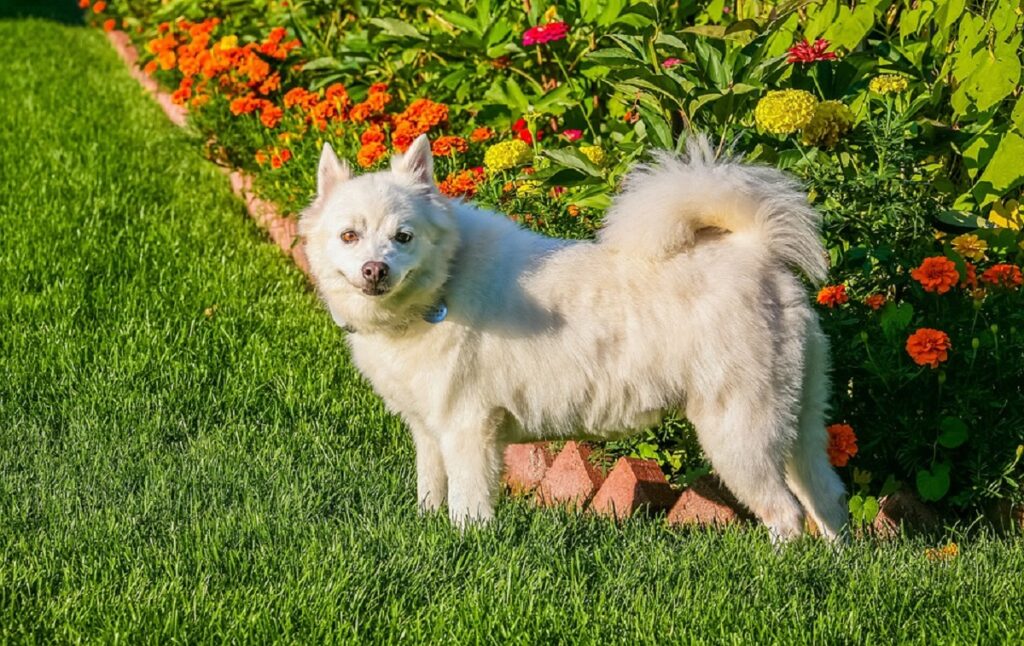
point(375, 289)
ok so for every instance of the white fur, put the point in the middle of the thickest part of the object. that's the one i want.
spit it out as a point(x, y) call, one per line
point(687, 301)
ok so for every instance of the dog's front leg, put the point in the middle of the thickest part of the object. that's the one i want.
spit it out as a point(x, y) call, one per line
point(472, 458)
point(431, 479)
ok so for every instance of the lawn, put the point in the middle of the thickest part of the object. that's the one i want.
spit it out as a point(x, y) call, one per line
point(186, 453)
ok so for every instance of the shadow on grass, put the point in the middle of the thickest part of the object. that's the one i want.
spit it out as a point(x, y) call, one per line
point(62, 11)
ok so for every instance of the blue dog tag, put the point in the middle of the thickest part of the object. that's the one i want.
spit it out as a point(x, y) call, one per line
point(437, 313)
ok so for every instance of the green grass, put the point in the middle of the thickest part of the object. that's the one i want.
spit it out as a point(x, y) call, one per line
point(171, 476)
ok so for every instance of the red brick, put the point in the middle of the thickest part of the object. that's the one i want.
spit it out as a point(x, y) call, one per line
point(525, 466)
point(903, 509)
point(633, 483)
point(707, 502)
point(572, 480)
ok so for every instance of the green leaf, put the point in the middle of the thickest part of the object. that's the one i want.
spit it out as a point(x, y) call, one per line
point(895, 318)
point(323, 63)
point(573, 158)
point(397, 27)
point(952, 432)
point(856, 506)
point(1017, 116)
point(850, 27)
point(870, 509)
point(996, 77)
point(933, 484)
point(1004, 172)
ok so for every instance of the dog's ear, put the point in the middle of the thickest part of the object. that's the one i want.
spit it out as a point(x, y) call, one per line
point(417, 162)
point(331, 172)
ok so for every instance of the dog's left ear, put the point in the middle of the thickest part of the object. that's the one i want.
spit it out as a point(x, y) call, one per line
point(417, 162)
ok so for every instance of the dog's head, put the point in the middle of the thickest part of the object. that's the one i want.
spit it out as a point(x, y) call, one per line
point(379, 245)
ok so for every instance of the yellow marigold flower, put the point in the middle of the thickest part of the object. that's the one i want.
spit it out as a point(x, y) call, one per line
point(888, 84)
point(831, 121)
point(782, 112)
point(507, 154)
point(970, 246)
point(594, 153)
point(1006, 215)
point(527, 188)
point(227, 42)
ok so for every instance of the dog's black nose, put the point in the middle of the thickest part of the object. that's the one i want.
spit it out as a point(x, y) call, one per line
point(375, 271)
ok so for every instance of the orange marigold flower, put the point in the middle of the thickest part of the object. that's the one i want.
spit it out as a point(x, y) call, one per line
point(875, 301)
point(261, 157)
point(373, 134)
point(109, 24)
point(370, 153)
point(183, 93)
point(481, 134)
point(462, 184)
point(337, 96)
point(448, 145)
point(936, 274)
point(832, 295)
point(150, 68)
point(246, 104)
point(301, 97)
point(842, 444)
point(271, 115)
point(273, 82)
point(83, 4)
point(1002, 275)
point(928, 347)
point(278, 159)
point(573, 210)
point(200, 100)
point(99, 7)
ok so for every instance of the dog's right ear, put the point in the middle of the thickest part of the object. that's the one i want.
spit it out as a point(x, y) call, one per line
point(332, 171)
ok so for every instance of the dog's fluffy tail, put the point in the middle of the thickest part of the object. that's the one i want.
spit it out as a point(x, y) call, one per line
point(664, 204)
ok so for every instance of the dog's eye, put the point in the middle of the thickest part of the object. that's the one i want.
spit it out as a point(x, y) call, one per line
point(403, 237)
point(348, 237)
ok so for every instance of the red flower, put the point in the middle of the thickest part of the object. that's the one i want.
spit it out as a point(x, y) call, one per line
point(832, 295)
point(804, 52)
point(1003, 275)
point(572, 135)
point(99, 7)
point(541, 34)
point(109, 24)
point(842, 444)
point(928, 347)
point(670, 62)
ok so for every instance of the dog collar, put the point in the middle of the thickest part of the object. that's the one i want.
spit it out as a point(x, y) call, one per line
point(436, 313)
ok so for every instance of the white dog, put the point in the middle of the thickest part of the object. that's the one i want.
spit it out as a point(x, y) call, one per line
point(480, 333)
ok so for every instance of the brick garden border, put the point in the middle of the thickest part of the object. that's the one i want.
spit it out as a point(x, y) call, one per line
point(567, 478)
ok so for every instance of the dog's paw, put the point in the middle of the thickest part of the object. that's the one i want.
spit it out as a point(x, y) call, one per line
point(465, 518)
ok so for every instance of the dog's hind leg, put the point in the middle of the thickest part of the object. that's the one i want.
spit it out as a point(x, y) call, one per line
point(748, 447)
point(808, 471)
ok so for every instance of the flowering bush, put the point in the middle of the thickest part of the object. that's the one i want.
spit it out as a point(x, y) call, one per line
point(905, 119)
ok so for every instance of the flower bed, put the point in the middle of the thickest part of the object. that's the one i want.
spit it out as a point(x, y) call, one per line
point(905, 122)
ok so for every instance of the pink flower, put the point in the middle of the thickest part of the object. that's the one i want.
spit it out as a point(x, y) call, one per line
point(671, 62)
point(572, 135)
point(804, 52)
point(545, 33)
